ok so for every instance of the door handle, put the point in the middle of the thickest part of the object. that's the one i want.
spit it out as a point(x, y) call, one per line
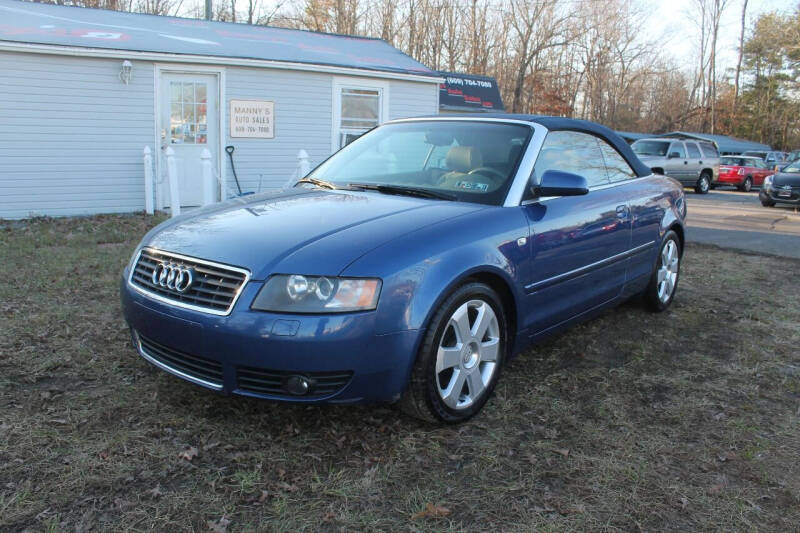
point(622, 211)
point(685, 162)
point(700, 162)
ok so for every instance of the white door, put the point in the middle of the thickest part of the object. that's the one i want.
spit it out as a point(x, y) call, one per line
point(188, 123)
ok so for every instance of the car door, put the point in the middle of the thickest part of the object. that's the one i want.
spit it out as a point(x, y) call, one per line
point(646, 204)
point(754, 170)
point(578, 242)
point(694, 160)
point(676, 166)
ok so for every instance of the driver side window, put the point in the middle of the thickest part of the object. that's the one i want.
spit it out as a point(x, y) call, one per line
point(575, 152)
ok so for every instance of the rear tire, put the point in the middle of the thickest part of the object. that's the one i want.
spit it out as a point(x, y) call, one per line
point(747, 185)
point(460, 359)
point(666, 271)
point(703, 184)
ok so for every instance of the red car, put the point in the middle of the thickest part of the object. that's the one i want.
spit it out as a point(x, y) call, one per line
point(743, 172)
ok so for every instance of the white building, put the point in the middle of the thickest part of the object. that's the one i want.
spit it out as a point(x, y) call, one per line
point(83, 91)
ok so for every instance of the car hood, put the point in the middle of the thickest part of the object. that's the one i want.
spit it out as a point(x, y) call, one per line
point(784, 178)
point(298, 230)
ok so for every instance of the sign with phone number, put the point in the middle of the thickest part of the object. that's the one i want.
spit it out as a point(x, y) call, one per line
point(253, 119)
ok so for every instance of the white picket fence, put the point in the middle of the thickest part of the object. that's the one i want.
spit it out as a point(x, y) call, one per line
point(209, 178)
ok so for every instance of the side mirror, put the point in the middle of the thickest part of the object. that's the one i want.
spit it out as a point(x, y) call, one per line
point(673, 155)
point(559, 183)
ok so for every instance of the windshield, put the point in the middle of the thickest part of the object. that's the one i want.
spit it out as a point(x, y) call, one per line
point(762, 155)
point(658, 148)
point(792, 168)
point(468, 161)
point(735, 161)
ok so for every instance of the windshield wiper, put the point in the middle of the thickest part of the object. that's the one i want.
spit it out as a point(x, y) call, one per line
point(403, 190)
point(319, 183)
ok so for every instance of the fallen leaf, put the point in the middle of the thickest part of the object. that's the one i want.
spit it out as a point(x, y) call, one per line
point(561, 451)
point(155, 492)
point(287, 487)
point(188, 454)
point(716, 489)
point(264, 496)
point(727, 456)
point(431, 511)
point(219, 527)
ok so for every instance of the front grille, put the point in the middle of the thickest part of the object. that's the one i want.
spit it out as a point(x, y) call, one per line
point(776, 190)
point(261, 381)
point(189, 365)
point(214, 288)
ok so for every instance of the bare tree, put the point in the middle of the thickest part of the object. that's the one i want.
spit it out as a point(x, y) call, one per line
point(739, 60)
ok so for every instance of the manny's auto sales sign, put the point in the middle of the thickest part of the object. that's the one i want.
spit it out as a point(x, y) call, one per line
point(252, 119)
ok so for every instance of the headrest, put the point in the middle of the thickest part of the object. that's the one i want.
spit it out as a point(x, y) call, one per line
point(463, 158)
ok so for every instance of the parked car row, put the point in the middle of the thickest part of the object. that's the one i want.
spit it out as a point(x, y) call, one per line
point(698, 164)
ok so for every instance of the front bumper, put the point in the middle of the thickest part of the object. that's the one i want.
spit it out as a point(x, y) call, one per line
point(773, 195)
point(254, 353)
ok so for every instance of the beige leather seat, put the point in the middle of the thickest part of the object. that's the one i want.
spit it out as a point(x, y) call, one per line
point(460, 160)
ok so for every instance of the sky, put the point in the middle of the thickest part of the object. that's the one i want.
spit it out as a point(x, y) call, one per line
point(672, 19)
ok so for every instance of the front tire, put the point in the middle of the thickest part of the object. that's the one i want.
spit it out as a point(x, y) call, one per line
point(767, 203)
point(664, 281)
point(703, 184)
point(460, 359)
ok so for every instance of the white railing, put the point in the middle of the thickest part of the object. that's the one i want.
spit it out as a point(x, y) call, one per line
point(148, 181)
point(209, 178)
point(172, 180)
point(301, 170)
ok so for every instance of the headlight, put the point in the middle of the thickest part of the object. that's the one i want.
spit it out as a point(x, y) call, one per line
point(768, 182)
point(296, 293)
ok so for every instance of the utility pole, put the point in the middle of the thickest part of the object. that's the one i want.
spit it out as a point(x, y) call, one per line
point(208, 9)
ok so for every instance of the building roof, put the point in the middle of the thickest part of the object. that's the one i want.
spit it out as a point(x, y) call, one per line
point(725, 144)
point(631, 136)
point(46, 24)
point(469, 92)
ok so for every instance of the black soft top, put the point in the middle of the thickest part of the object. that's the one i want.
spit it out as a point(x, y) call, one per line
point(571, 124)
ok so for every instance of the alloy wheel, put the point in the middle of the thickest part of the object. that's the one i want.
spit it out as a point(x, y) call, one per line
point(703, 184)
point(467, 356)
point(668, 271)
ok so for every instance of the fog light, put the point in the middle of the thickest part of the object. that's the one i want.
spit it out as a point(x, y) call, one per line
point(297, 385)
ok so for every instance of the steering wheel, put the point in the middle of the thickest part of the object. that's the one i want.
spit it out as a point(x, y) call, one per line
point(492, 173)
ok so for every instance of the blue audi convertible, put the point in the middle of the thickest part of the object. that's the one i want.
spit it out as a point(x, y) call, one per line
point(409, 266)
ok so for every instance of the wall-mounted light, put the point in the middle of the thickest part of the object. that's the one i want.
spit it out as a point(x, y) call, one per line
point(126, 72)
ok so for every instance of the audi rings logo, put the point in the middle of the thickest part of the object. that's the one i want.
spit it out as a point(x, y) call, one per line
point(174, 277)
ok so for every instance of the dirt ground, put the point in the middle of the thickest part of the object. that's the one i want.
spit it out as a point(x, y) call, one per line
point(686, 420)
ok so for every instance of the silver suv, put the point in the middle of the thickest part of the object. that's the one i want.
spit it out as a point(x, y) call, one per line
point(693, 163)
